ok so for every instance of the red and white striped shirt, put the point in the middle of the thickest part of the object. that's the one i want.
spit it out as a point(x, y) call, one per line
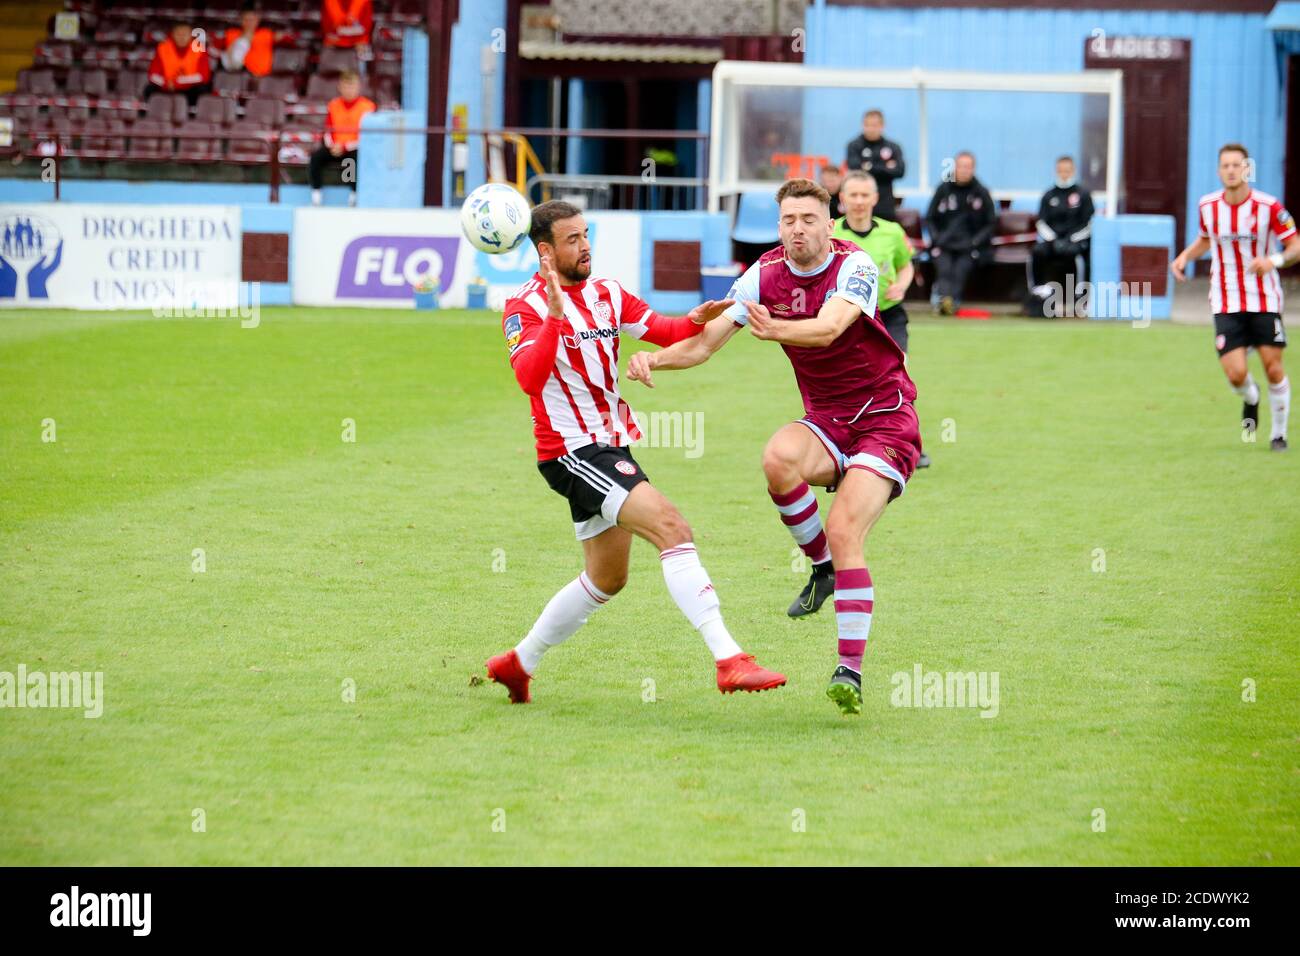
point(578, 402)
point(1237, 235)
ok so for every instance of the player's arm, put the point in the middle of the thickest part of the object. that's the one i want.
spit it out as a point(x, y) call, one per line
point(642, 322)
point(855, 294)
point(532, 342)
point(687, 353)
point(1284, 227)
point(1190, 254)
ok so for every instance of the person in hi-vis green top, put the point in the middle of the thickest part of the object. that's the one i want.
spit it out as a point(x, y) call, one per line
point(887, 245)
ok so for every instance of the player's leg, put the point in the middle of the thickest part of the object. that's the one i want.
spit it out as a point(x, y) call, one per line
point(859, 502)
point(895, 320)
point(1279, 390)
point(649, 515)
point(794, 459)
point(1243, 384)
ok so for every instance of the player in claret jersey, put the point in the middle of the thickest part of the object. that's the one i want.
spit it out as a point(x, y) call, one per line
point(859, 436)
point(1238, 224)
point(562, 330)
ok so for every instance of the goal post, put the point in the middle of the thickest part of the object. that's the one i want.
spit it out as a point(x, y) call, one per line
point(1016, 124)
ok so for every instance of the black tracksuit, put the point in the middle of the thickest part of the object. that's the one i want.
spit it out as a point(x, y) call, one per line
point(883, 159)
point(1064, 234)
point(961, 220)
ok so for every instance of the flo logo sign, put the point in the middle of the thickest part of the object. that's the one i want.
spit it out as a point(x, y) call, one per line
point(31, 249)
point(389, 267)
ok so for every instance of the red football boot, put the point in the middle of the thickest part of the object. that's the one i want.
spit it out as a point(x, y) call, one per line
point(739, 672)
point(506, 669)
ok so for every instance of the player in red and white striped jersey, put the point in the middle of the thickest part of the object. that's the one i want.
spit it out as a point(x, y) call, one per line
point(1238, 224)
point(562, 329)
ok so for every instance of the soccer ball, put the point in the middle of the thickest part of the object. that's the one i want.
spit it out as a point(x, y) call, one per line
point(495, 218)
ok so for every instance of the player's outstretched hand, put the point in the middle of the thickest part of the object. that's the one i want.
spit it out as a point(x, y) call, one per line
point(1177, 266)
point(706, 312)
point(761, 322)
point(554, 294)
point(639, 366)
point(1260, 265)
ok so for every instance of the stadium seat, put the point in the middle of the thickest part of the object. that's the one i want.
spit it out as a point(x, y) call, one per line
point(130, 83)
point(334, 60)
point(88, 82)
point(229, 84)
point(248, 143)
point(211, 108)
point(1010, 224)
point(283, 88)
point(265, 112)
point(37, 82)
point(150, 141)
point(200, 142)
point(321, 89)
point(124, 114)
point(287, 60)
point(910, 220)
point(101, 138)
point(756, 218)
point(167, 108)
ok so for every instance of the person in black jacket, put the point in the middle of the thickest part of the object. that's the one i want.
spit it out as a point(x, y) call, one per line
point(961, 219)
point(1064, 232)
point(880, 157)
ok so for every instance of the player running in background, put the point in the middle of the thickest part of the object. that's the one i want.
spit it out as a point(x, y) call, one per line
point(562, 329)
point(887, 245)
point(1237, 222)
point(859, 436)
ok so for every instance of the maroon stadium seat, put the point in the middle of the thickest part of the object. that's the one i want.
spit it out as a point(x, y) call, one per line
point(910, 219)
point(321, 88)
point(215, 109)
point(288, 60)
point(278, 87)
point(196, 148)
point(37, 82)
point(88, 82)
point(130, 83)
point(1012, 223)
point(248, 143)
point(150, 141)
point(334, 60)
point(229, 84)
point(124, 114)
point(265, 112)
point(167, 108)
point(102, 139)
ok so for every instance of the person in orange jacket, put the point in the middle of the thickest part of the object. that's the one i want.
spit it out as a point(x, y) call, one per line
point(180, 65)
point(250, 46)
point(347, 23)
point(342, 134)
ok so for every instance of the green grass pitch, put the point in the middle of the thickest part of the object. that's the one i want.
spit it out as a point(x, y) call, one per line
point(398, 562)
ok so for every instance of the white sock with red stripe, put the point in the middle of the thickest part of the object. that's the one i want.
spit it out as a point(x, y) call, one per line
point(564, 614)
point(1249, 392)
point(1279, 401)
point(854, 600)
point(798, 509)
point(691, 588)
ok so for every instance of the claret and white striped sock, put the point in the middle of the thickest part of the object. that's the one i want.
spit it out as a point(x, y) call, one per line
point(854, 599)
point(798, 509)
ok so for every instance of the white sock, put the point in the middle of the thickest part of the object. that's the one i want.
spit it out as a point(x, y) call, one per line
point(691, 588)
point(315, 197)
point(564, 614)
point(1279, 400)
point(1249, 391)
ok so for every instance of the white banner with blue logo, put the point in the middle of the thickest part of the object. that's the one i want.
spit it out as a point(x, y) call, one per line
point(128, 256)
point(376, 257)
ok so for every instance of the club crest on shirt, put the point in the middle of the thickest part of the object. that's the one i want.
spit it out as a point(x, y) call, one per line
point(1074, 199)
point(602, 311)
point(1283, 217)
point(514, 329)
point(626, 467)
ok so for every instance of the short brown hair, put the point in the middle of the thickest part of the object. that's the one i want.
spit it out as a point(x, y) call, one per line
point(547, 215)
point(349, 75)
point(799, 188)
point(876, 113)
point(1234, 148)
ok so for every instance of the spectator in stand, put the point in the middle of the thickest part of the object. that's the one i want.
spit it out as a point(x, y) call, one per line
point(180, 65)
point(250, 46)
point(880, 157)
point(347, 23)
point(342, 134)
point(961, 219)
point(832, 180)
